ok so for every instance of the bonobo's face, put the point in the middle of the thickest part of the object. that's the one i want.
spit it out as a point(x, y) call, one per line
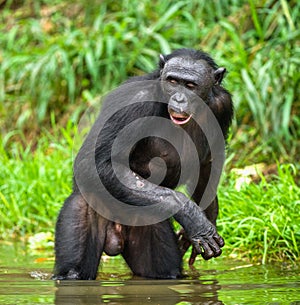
point(182, 79)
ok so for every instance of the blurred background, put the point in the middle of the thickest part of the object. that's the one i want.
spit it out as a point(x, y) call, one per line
point(57, 57)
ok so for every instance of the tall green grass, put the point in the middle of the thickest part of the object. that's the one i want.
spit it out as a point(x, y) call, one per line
point(34, 184)
point(58, 55)
point(260, 220)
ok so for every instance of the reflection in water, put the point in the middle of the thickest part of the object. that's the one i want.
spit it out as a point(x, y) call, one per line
point(26, 281)
point(163, 292)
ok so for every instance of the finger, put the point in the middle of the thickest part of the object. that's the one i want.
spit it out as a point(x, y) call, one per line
point(180, 233)
point(196, 245)
point(215, 247)
point(183, 246)
point(193, 257)
point(186, 245)
point(219, 240)
point(183, 242)
point(207, 251)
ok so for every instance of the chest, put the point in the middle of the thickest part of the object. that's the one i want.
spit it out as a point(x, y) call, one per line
point(159, 161)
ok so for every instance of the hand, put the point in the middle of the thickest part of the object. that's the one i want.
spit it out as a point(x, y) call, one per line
point(208, 246)
point(201, 233)
point(184, 243)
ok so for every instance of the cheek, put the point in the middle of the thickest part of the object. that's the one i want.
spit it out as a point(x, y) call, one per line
point(197, 104)
point(169, 89)
point(205, 89)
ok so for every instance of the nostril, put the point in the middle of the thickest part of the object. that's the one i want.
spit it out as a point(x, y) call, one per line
point(179, 97)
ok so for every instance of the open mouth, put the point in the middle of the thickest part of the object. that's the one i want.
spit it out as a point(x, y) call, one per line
point(179, 118)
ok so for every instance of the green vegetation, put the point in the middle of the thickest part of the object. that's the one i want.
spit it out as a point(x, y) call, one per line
point(260, 220)
point(56, 57)
point(34, 184)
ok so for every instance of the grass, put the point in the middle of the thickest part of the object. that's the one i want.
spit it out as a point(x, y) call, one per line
point(33, 186)
point(58, 56)
point(259, 221)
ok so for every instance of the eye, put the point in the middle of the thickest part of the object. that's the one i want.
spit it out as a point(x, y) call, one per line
point(191, 86)
point(172, 80)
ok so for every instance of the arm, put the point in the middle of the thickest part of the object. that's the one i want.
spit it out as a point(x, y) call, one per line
point(211, 212)
point(119, 183)
point(137, 191)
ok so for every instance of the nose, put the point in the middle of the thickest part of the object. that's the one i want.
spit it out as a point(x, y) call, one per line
point(179, 97)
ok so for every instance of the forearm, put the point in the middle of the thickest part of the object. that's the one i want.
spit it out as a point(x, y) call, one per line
point(132, 189)
point(127, 186)
point(193, 219)
point(159, 203)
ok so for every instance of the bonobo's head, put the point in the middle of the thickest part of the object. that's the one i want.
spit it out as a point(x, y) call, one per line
point(184, 74)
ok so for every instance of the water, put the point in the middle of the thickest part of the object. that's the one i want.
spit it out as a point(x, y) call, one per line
point(25, 279)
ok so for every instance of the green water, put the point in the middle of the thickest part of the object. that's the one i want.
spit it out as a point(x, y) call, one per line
point(25, 279)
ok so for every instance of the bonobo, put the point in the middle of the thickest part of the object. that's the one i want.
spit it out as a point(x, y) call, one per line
point(154, 133)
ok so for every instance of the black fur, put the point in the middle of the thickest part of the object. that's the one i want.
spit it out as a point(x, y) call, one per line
point(154, 250)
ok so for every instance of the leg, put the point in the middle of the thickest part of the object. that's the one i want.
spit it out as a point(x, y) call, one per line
point(152, 251)
point(79, 240)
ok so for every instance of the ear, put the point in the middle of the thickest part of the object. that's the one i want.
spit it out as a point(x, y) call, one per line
point(162, 61)
point(219, 75)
